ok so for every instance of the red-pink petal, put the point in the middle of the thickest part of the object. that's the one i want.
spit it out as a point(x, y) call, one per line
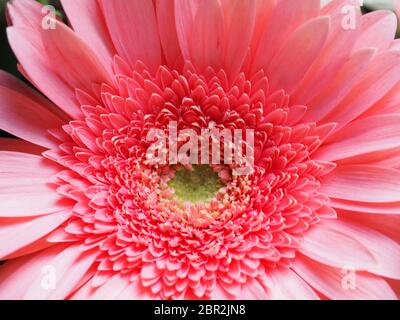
point(363, 183)
point(26, 119)
point(342, 243)
point(332, 282)
point(286, 70)
point(135, 32)
point(370, 134)
point(16, 233)
point(88, 22)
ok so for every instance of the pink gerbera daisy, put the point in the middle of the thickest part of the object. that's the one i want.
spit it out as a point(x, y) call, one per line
point(84, 215)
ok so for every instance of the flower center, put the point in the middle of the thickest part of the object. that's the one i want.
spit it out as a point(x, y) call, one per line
point(198, 185)
point(183, 230)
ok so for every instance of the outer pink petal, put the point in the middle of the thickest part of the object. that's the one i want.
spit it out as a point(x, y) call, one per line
point(345, 79)
point(365, 207)
point(88, 22)
point(387, 224)
point(25, 40)
point(240, 18)
point(289, 286)
point(379, 30)
point(184, 17)
point(111, 289)
point(135, 292)
point(26, 165)
point(253, 290)
point(220, 293)
point(23, 117)
point(167, 29)
point(342, 243)
point(26, 13)
point(383, 158)
point(335, 53)
point(68, 264)
point(363, 183)
point(28, 177)
point(370, 134)
point(390, 103)
point(208, 37)
point(286, 69)
point(70, 267)
point(264, 10)
point(336, 6)
point(380, 78)
point(9, 81)
point(16, 233)
point(285, 18)
point(31, 248)
point(332, 282)
point(135, 32)
point(389, 158)
point(72, 59)
point(23, 271)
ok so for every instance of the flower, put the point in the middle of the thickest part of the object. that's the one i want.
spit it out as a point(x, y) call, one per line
point(84, 216)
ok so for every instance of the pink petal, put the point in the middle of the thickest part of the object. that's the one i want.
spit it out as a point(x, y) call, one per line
point(68, 265)
point(27, 177)
point(264, 10)
point(220, 293)
point(379, 30)
point(31, 248)
point(135, 32)
point(166, 26)
point(363, 183)
point(72, 59)
point(383, 74)
point(108, 291)
point(340, 86)
point(23, 164)
point(287, 70)
point(387, 224)
point(16, 233)
point(335, 53)
point(135, 292)
point(370, 134)
point(333, 283)
point(289, 286)
point(365, 207)
point(9, 81)
point(207, 40)
point(285, 18)
point(22, 271)
point(388, 104)
point(239, 31)
point(184, 15)
point(253, 290)
point(88, 22)
point(339, 243)
point(29, 51)
point(26, 14)
point(26, 119)
point(336, 6)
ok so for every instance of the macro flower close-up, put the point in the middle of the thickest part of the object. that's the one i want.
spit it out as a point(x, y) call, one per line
point(200, 149)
